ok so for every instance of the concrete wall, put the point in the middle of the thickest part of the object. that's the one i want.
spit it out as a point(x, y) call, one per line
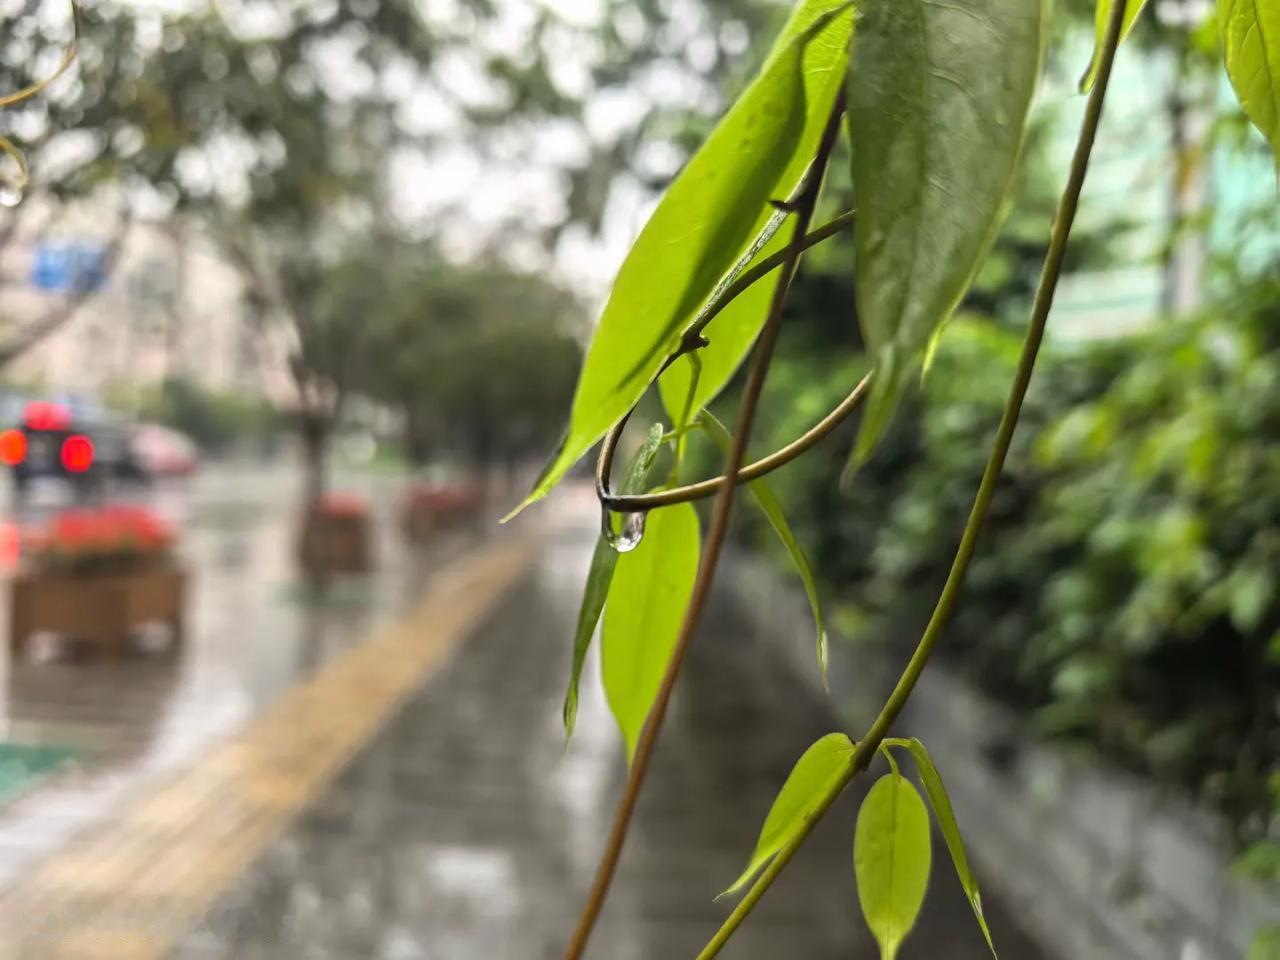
point(1103, 865)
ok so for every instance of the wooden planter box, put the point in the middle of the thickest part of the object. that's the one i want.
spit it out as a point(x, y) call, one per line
point(418, 523)
point(336, 543)
point(102, 609)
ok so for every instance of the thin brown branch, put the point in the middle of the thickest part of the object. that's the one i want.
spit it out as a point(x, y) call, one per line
point(1059, 235)
point(763, 354)
point(692, 339)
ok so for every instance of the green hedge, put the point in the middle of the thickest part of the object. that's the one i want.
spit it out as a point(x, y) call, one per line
point(1125, 589)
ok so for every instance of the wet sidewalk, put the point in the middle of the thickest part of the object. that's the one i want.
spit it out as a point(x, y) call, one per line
point(128, 722)
point(464, 829)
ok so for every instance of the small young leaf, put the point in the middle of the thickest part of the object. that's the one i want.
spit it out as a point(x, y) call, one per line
point(642, 617)
point(704, 226)
point(941, 804)
point(735, 329)
point(1101, 17)
point(938, 101)
point(891, 860)
point(772, 509)
point(635, 479)
point(814, 774)
point(1251, 39)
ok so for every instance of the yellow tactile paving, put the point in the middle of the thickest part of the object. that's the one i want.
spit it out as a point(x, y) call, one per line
point(128, 889)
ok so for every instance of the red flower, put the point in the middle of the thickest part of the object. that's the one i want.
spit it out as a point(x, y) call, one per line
point(124, 532)
point(343, 505)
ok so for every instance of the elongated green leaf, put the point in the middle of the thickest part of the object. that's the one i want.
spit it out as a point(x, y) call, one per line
point(732, 332)
point(938, 101)
point(891, 860)
point(1101, 17)
point(651, 588)
point(636, 479)
point(814, 775)
point(1251, 39)
point(772, 509)
point(705, 224)
point(941, 804)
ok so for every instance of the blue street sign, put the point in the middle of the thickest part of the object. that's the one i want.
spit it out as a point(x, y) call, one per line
point(69, 266)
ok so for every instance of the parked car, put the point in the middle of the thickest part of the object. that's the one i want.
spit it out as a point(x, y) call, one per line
point(163, 452)
point(72, 442)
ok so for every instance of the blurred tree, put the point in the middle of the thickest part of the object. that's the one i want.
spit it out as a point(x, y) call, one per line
point(214, 419)
point(479, 359)
point(284, 130)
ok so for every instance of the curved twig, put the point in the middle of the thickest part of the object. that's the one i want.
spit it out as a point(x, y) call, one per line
point(693, 340)
point(68, 57)
point(706, 488)
point(1058, 236)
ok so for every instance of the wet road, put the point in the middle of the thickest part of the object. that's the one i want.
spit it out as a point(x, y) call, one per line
point(465, 830)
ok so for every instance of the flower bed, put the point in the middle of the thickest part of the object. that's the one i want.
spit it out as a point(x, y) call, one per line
point(336, 536)
point(97, 576)
point(111, 540)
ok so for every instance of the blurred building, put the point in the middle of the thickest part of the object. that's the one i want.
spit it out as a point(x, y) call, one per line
point(1157, 166)
point(169, 306)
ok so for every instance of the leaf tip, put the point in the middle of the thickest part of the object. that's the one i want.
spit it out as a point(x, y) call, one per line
point(569, 714)
point(753, 869)
point(1085, 83)
point(886, 388)
point(517, 510)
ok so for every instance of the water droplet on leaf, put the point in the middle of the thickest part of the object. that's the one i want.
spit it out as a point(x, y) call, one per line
point(631, 534)
point(10, 194)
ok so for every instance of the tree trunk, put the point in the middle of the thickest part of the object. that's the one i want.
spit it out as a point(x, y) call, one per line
point(315, 458)
point(416, 446)
point(314, 433)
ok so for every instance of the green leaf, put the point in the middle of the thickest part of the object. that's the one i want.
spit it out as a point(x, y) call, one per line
point(938, 101)
point(891, 860)
point(772, 509)
point(1101, 17)
point(946, 816)
point(734, 330)
point(704, 226)
point(1251, 39)
point(811, 779)
point(646, 605)
point(1266, 944)
point(635, 479)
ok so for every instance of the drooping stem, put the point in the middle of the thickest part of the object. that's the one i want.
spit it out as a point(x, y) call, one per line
point(630, 503)
point(1058, 237)
point(690, 343)
point(719, 527)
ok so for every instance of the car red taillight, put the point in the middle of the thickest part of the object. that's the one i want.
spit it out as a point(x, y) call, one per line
point(77, 453)
point(42, 415)
point(13, 447)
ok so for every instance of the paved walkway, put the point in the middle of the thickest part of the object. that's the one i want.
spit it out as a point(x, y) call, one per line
point(465, 831)
point(249, 640)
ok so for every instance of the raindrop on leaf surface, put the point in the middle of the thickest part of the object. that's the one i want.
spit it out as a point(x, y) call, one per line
point(629, 537)
point(10, 194)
